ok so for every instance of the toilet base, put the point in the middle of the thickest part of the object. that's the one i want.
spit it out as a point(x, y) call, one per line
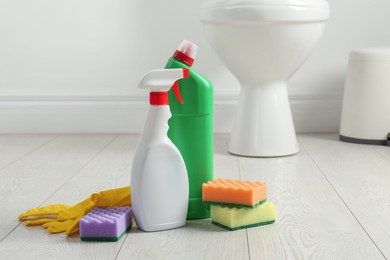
point(263, 125)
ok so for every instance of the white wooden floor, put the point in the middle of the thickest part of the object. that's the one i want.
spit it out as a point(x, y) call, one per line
point(333, 200)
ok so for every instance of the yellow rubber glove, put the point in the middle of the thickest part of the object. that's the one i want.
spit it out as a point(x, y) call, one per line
point(108, 198)
point(40, 221)
point(67, 218)
point(44, 211)
point(59, 226)
point(76, 210)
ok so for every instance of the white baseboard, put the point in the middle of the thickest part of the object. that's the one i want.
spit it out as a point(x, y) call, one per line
point(119, 113)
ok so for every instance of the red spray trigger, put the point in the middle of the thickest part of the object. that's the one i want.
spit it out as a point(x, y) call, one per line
point(175, 87)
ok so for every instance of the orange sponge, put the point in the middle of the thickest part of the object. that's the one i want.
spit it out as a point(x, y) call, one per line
point(234, 192)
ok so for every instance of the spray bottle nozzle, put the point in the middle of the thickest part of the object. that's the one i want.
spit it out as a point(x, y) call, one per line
point(160, 81)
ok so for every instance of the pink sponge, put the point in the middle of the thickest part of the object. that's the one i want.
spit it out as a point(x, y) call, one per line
point(105, 224)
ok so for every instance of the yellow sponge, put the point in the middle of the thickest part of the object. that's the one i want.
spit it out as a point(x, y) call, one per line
point(238, 218)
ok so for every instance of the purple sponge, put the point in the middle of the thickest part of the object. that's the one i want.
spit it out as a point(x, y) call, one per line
point(105, 224)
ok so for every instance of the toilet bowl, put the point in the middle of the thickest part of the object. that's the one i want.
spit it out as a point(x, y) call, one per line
point(263, 43)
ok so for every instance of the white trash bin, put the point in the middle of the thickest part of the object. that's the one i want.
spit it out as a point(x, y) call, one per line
point(365, 114)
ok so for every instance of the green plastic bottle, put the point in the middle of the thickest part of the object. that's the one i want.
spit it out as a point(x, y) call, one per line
point(191, 127)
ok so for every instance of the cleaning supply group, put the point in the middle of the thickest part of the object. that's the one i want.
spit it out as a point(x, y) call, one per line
point(172, 171)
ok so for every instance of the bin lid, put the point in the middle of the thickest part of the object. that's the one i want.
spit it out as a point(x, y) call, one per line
point(211, 4)
point(371, 54)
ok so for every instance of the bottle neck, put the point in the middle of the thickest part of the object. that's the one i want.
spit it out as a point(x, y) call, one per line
point(158, 98)
point(184, 58)
point(156, 125)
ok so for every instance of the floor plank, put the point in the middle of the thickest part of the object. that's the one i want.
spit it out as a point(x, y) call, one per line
point(109, 169)
point(198, 239)
point(28, 182)
point(225, 164)
point(383, 150)
point(15, 147)
point(312, 222)
point(361, 176)
point(333, 200)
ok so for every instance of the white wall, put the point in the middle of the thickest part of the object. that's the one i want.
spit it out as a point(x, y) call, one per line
point(73, 66)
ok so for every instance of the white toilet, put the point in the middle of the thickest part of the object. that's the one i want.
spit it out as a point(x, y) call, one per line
point(263, 43)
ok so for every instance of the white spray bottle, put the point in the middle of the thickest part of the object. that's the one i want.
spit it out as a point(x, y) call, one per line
point(159, 181)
